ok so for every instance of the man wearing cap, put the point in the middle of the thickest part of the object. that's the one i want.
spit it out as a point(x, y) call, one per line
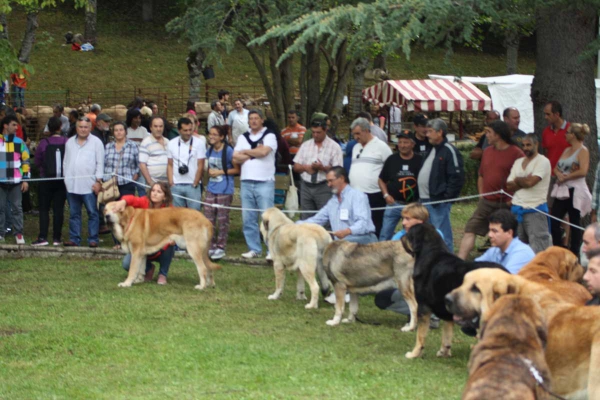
point(398, 183)
point(313, 160)
point(419, 136)
point(102, 130)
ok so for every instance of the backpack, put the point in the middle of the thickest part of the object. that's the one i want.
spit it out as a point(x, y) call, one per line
point(53, 160)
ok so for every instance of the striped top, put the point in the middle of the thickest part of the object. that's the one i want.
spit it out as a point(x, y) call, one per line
point(154, 155)
point(367, 163)
point(14, 160)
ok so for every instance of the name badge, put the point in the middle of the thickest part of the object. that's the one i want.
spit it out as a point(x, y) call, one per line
point(344, 214)
point(423, 147)
point(405, 168)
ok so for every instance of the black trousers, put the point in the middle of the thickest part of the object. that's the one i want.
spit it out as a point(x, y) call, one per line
point(376, 200)
point(559, 209)
point(52, 193)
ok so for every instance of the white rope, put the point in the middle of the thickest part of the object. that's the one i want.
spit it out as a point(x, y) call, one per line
point(454, 200)
point(48, 179)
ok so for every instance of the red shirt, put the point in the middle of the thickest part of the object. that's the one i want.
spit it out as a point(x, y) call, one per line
point(555, 142)
point(495, 168)
point(137, 202)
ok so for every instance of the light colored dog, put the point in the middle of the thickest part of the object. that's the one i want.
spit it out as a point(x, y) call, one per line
point(143, 232)
point(295, 248)
point(368, 268)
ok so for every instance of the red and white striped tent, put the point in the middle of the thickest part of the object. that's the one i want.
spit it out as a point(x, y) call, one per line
point(429, 95)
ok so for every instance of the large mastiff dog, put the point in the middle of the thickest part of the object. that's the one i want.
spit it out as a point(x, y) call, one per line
point(510, 355)
point(143, 232)
point(367, 268)
point(296, 248)
point(573, 348)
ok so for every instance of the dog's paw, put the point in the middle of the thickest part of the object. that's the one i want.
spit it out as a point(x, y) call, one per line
point(407, 328)
point(309, 306)
point(301, 296)
point(332, 322)
point(199, 287)
point(139, 279)
point(125, 284)
point(347, 320)
point(412, 354)
point(273, 296)
point(445, 353)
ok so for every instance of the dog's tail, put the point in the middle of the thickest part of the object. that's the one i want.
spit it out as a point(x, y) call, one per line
point(208, 262)
point(322, 266)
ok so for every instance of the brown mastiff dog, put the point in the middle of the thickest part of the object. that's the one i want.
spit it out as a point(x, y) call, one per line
point(573, 348)
point(142, 232)
point(509, 358)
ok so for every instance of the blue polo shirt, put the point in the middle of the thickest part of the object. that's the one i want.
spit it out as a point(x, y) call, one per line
point(516, 256)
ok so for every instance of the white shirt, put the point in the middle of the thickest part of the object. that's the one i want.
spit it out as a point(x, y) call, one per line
point(258, 169)
point(186, 153)
point(537, 194)
point(366, 165)
point(83, 160)
point(137, 135)
point(238, 122)
point(214, 118)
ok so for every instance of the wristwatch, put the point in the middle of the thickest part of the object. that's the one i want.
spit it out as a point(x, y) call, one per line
point(385, 196)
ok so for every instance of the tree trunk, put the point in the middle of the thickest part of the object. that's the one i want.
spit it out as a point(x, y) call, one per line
point(147, 10)
point(358, 82)
point(29, 38)
point(380, 62)
point(277, 104)
point(4, 24)
point(194, 65)
point(90, 22)
point(302, 86)
point(562, 35)
point(511, 42)
point(313, 79)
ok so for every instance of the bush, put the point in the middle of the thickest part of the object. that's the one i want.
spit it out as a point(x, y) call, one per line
point(471, 171)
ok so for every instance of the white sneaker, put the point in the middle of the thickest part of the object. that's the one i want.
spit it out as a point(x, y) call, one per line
point(20, 238)
point(269, 257)
point(218, 254)
point(250, 254)
point(211, 252)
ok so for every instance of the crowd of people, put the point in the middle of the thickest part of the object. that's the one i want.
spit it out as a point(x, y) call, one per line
point(361, 189)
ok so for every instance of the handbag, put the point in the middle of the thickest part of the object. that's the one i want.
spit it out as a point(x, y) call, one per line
point(291, 199)
point(110, 188)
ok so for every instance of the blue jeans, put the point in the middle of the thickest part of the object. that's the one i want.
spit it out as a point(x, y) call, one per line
point(439, 216)
point(361, 239)
point(140, 186)
point(186, 190)
point(255, 195)
point(75, 202)
point(18, 96)
point(391, 217)
point(164, 260)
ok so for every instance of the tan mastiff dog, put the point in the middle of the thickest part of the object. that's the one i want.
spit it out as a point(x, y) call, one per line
point(296, 248)
point(143, 232)
point(573, 348)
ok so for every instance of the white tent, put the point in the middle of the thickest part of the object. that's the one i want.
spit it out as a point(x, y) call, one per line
point(513, 91)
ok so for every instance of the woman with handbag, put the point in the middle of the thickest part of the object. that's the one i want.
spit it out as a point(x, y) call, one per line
point(158, 196)
point(121, 167)
point(221, 169)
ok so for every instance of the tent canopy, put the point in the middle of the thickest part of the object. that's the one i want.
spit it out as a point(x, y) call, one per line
point(429, 95)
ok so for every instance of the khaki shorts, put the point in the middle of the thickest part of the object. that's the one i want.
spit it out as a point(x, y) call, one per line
point(478, 223)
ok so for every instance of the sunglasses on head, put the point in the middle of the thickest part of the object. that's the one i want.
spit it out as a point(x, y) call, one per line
point(319, 124)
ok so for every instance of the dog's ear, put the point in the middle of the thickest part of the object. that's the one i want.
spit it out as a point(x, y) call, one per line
point(266, 224)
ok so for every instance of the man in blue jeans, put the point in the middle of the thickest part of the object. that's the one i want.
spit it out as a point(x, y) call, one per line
point(255, 151)
point(441, 178)
point(185, 165)
point(83, 170)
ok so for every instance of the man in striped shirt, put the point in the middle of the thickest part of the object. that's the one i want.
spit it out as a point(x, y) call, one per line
point(153, 153)
point(14, 169)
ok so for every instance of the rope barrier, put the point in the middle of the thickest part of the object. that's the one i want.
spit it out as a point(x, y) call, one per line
point(454, 200)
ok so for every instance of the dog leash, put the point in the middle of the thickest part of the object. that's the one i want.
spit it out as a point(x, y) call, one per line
point(539, 379)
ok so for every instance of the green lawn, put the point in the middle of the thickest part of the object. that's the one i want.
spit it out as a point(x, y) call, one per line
point(68, 332)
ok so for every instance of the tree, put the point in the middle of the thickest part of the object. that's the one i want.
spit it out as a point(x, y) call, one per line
point(564, 30)
point(91, 17)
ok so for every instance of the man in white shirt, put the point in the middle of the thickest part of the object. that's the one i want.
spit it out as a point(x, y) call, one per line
point(238, 121)
point(215, 117)
point(57, 111)
point(84, 156)
point(153, 153)
point(185, 165)
point(530, 178)
point(368, 157)
point(255, 152)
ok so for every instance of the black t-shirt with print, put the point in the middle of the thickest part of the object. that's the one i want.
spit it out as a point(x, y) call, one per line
point(400, 177)
point(421, 146)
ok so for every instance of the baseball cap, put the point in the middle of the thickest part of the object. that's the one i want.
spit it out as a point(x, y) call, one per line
point(103, 117)
point(420, 120)
point(405, 134)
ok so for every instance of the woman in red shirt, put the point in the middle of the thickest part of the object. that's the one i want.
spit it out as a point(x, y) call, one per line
point(158, 196)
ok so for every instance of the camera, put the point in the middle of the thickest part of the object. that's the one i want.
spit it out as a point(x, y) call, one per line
point(183, 169)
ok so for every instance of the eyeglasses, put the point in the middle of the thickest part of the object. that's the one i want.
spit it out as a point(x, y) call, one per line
point(86, 119)
point(359, 153)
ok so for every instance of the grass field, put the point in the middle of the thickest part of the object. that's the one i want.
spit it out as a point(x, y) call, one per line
point(68, 332)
